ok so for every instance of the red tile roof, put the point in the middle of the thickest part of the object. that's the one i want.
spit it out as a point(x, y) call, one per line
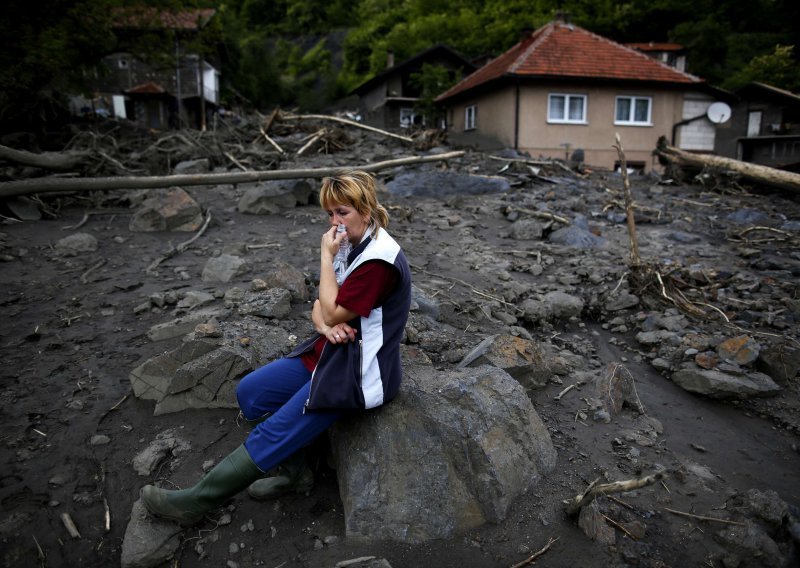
point(655, 46)
point(144, 17)
point(559, 50)
point(147, 89)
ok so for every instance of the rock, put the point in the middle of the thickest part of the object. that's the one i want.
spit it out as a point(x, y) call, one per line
point(224, 268)
point(148, 541)
point(655, 337)
point(195, 298)
point(75, 244)
point(706, 359)
point(199, 166)
point(615, 388)
point(167, 210)
point(446, 183)
point(272, 197)
point(453, 451)
point(23, 208)
point(166, 443)
point(527, 229)
point(716, 384)
point(592, 523)
point(555, 305)
point(274, 303)
point(286, 276)
point(423, 303)
point(202, 372)
point(749, 545)
point(364, 562)
point(780, 361)
point(99, 440)
point(621, 301)
point(521, 358)
point(184, 324)
point(742, 350)
point(576, 237)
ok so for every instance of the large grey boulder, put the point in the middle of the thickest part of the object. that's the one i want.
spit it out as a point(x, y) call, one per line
point(167, 210)
point(274, 303)
point(284, 275)
point(204, 370)
point(554, 305)
point(148, 541)
point(719, 385)
point(780, 361)
point(453, 451)
point(272, 197)
point(443, 183)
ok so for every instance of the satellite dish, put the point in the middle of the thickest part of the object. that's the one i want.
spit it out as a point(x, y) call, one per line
point(718, 112)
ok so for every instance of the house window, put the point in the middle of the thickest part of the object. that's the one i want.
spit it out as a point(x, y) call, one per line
point(634, 111)
point(470, 117)
point(407, 117)
point(566, 108)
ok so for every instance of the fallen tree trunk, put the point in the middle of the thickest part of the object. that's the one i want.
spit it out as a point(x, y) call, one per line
point(345, 121)
point(61, 185)
point(753, 172)
point(59, 162)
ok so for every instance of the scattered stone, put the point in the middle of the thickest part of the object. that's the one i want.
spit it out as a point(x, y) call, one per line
point(272, 197)
point(284, 275)
point(743, 350)
point(780, 361)
point(224, 268)
point(166, 443)
point(274, 303)
point(148, 541)
point(99, 440)
point(621, 301)
point(76, 244)
point(194, 299)
point(187, 167)
point(527, 229)
point(440, 183)
point(594, 525)
point(167, 210)
point(553, 306)
point(716, 384)
point(185, 324)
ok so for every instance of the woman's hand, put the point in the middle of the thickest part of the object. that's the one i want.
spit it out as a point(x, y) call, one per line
point(340, 333)
point(330, 243)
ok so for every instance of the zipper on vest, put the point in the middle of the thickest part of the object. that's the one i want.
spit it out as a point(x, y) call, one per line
point(361, 363)
point(311, 382)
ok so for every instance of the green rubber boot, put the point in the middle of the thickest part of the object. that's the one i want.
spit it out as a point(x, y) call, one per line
point(189, 506)
point(294, 476)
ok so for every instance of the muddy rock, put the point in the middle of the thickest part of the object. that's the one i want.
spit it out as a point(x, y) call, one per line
point(148, 542)
point(185, 324)
point(452, 452)
point(273, 303)
point(272, 197)
point(555, 305)
point(521, 358)
point(621, 301)
point(742, 350)
point(527, 229)
point(224, 268)
point(167, 210)
point(433, 183)
point(76, 244)
point(780, 361)
point(166, 444)
point(187, 167)
point(284, 275)
point(717, 384)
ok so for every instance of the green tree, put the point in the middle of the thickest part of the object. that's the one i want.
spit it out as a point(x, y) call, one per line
point(431, 81)
point(779, 69)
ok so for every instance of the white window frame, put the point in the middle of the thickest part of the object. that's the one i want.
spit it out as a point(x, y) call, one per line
point(631, 121)
point(470, 117)
point(567, 99)
point(409, 115)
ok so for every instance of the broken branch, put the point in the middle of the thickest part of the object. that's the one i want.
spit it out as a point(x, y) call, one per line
point(70, 525)
point(536, 554)
point(702, 518)
point(345, 121)
point(60, 185)
point(182, 246)
point(579, 501)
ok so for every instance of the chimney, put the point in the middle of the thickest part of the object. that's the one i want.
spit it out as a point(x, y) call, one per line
point(562, 16)
point(389, 58)
point(525, 33)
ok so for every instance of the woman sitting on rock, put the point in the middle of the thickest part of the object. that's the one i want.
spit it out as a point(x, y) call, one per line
point(353, 362)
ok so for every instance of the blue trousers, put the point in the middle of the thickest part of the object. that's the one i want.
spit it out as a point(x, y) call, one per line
point(280, 388)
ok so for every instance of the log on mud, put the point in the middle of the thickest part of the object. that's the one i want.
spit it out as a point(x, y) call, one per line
point(61, 185)
point(753, 172)
point(55, 161)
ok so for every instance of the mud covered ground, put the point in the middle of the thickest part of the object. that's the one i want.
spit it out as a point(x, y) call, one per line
point(70, 337)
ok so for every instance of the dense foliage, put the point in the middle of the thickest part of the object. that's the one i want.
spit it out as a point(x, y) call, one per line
point(309, 53)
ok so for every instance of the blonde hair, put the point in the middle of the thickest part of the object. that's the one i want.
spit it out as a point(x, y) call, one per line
point(359, 190)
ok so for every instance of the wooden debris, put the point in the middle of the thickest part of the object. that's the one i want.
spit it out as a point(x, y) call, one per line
point(702, 518)
point(70, 525)
point(595, 489)
point(626, 186)
point(753, 172)
point(530, 559)
point(95, 266)
point(182, 246)
point(563, 392)
point(56, 161)
point(345, 121)
point(61, 185)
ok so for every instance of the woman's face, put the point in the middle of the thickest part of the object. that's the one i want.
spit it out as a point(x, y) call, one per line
point(357, 224)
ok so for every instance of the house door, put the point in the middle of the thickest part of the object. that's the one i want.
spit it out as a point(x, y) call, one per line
point(754, 123)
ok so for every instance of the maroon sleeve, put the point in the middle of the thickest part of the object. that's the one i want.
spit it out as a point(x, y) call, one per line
point(367, 287)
